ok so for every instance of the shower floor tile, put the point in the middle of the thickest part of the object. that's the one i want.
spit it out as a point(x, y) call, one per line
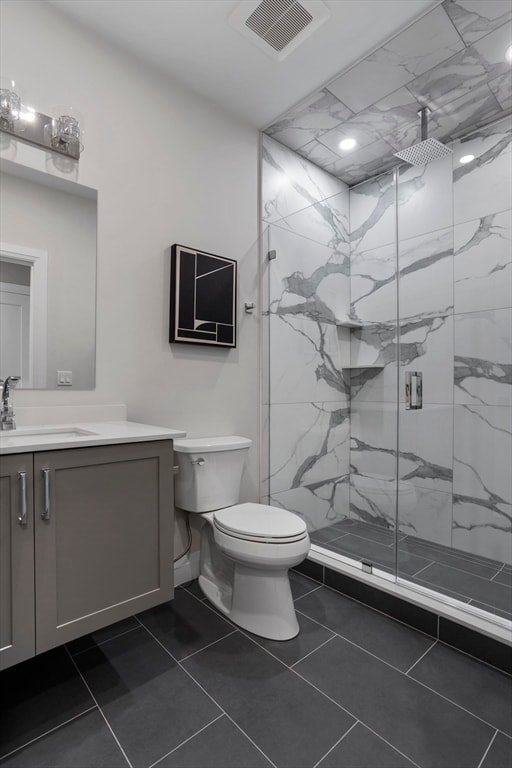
point(467, 585)
point(354, 690)
point(466, 577)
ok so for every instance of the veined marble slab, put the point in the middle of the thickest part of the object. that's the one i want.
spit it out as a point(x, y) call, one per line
point(476, 18)
point(310, 119)
point(483, 357)
point(483, 263)
point(309, 446)
point(291, 183)
point(491, 170)
point(416, 50)
point(425, 198)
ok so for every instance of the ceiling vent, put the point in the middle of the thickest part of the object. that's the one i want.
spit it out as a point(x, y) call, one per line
point(278, 27)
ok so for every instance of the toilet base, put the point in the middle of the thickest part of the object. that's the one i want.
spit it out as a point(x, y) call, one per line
point(259, 602)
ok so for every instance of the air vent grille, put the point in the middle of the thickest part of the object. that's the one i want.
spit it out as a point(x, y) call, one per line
point(278, 22)
point(278, 27)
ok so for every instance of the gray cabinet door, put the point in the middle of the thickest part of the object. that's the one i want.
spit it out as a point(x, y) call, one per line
point(104, 519)
point(17, 633)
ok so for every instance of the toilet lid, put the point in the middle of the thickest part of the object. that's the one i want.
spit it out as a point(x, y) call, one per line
point(258, 522)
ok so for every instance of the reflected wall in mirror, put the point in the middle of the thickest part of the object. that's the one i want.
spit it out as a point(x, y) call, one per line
point(47, 279)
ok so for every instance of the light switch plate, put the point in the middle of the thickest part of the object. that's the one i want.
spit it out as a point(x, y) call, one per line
point(64, 378)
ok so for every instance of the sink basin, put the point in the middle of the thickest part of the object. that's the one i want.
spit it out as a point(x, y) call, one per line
point(46, 432)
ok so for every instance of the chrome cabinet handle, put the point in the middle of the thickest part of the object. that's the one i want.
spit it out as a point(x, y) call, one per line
point(413, 390)
point(22, 517)
point(45, 514)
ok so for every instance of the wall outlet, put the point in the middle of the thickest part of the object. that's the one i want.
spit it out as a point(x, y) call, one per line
point(64, 378)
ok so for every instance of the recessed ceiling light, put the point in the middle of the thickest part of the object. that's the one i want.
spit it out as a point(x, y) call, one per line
point(508, 54)
point(466, 159)
point(347, 144)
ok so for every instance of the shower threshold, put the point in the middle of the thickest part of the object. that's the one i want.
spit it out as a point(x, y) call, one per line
point(437, 603)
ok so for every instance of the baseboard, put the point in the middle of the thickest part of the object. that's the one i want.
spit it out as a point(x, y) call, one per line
point(186, 569)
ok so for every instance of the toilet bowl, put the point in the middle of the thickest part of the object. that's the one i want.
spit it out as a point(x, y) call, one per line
point(246, 549)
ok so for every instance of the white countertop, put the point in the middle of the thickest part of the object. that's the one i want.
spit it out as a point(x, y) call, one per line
point(79, 435)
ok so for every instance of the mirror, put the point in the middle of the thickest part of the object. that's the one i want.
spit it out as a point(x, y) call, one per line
point(47, 279)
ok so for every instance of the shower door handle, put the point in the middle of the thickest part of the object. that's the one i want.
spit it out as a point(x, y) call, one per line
point(413, 390)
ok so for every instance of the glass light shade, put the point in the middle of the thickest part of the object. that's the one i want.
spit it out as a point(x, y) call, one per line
point(67, 129)
point(10, 101)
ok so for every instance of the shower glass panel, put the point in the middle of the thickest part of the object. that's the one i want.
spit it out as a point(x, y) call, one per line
point(455, 321)
point(330, 414)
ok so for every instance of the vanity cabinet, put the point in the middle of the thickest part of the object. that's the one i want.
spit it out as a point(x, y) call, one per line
point(96, 546)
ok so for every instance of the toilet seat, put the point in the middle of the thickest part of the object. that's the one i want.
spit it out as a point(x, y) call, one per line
point(260, 523)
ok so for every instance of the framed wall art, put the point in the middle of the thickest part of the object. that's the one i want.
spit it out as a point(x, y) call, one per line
point(203, 298)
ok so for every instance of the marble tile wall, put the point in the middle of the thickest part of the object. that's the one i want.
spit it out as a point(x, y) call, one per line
point(332, 428)
point(306, 289)
point(451, 230)
point(451, 59)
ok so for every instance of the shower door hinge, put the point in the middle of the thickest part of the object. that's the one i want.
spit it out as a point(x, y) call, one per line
point(413, 390)
point(271, 255)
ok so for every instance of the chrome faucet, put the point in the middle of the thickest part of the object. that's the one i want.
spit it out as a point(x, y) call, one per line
point(7, 420)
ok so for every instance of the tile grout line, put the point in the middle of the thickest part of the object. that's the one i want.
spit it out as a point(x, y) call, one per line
point(100, 709)
point(424, 685)
point(326, 695)
point(369, 652)
point(370, 608)
point(51, 730)
point(336, 744)
point(469, 573)
point(497, 573)
point(291, 666)
point(186, 740)
point(487, 750)
point(455, 553)
point(310, 591)
point(209, 695)
point(355, 718)
point(475, 658)
point(421, 657)
point(423, 569)
point(214, 642)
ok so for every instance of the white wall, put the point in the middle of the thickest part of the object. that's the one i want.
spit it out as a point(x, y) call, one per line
point(169, 167)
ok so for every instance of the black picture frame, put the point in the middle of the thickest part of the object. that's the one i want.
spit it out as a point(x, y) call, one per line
point(203, 295)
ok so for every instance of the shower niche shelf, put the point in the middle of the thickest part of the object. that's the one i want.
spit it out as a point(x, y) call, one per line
point(353, 324)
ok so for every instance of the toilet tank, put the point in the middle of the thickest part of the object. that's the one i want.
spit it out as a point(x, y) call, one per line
point(210, 472)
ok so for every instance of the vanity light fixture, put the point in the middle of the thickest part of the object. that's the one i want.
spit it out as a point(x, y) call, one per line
point(466, 159)
point(508, 54)
point(347, 144)
point(59, 134)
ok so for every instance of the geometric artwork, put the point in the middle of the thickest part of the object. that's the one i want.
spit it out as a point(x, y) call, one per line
point(203, 298)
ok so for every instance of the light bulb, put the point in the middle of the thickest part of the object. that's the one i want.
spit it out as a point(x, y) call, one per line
point(347, 144)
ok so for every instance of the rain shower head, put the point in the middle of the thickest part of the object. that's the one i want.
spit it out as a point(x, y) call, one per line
point(425, 150)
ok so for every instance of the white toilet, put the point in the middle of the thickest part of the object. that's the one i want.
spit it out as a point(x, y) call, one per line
point(246, 549)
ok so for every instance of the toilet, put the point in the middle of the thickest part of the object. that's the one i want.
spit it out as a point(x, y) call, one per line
point(246, 549)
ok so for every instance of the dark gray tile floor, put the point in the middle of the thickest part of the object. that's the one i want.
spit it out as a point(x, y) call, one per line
point(179, 686)
point(484, 583)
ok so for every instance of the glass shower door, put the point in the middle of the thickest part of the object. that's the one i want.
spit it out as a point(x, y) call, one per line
point(455, 320)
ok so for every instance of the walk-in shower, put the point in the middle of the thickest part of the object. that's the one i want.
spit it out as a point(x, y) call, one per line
point(410, 485)
point(387, 293)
